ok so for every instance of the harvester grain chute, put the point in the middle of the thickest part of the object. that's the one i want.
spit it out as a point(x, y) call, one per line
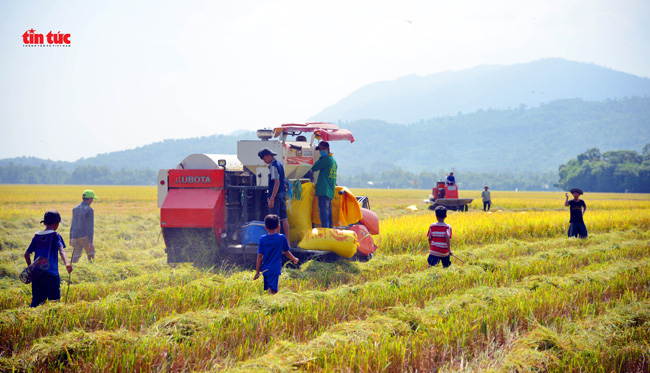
point(211, 204)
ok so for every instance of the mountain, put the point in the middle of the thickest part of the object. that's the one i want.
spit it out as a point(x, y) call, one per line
point(163, 154)
point(525, 118)
point(516, 140)
point(520, 140)
point(414, 98)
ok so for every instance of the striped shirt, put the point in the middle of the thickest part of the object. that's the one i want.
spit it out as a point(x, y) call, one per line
point(437, 236)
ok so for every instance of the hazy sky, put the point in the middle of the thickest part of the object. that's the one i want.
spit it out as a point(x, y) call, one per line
point(143, 71)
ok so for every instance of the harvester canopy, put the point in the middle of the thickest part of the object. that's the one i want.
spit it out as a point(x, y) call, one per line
point(323, 131)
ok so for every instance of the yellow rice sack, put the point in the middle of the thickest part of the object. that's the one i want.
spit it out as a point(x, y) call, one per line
point(342, 242)
point(299, 213)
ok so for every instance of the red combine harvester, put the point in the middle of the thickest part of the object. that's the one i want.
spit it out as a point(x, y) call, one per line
point(208, 199)
point(447, 195)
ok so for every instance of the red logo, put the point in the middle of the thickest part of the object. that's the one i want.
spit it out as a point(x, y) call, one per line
point(31, 39)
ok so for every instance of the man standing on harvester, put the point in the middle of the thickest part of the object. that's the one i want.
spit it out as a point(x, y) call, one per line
point(325, 184)
point(277, 193)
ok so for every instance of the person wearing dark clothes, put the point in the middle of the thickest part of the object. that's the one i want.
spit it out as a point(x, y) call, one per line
point(47, 244)
point(451, 180)
point(82, 227)
point(487, 200)
point(577, 208)
point(277, 192)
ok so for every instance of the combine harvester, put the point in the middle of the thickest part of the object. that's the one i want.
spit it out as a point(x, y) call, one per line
point(212, 206)
point(447, 195)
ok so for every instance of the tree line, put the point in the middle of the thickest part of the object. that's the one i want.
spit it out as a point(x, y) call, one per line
point(401, 179)
point(89, 175)
point(613, 171)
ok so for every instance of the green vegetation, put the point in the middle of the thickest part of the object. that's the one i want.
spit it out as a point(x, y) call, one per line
point(89, 175)
point(526, 299)
point(520, 140)
point(614, 171)
point(506, 149)
point(401, 179)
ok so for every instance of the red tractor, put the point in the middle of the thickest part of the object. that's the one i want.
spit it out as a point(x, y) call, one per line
point(447, 196)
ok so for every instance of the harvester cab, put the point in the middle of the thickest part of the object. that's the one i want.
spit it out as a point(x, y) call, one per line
point(447, 196)
point(212, 205)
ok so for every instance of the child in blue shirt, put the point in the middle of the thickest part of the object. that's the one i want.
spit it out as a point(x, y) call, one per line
point(269, 254)
point(47, 244)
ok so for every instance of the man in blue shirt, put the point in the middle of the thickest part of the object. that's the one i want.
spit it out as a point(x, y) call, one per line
point(277, 193)
point(269, 254)
point(46, 245)
point(451, 180)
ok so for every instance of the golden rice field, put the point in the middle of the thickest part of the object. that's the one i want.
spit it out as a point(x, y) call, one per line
point(525, 299)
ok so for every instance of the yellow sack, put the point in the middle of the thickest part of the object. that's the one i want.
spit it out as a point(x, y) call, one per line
point(299, 213)
point(345, 208)
point(342, 242)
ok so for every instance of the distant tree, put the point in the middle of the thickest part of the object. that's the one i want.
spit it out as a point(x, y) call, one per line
point(646, 152)
point(612, 171)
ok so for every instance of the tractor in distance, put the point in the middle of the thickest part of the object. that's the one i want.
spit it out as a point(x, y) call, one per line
point(447, 196)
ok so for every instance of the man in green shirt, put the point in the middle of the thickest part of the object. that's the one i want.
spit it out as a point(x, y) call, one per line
point(325, 183)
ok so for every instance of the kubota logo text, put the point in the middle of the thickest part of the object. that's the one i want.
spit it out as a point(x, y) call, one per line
point(193, 180)
point(31, 39)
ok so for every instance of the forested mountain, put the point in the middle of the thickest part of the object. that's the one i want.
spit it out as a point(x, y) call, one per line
point(521, 141)
point(163, 154)
point(413, 98)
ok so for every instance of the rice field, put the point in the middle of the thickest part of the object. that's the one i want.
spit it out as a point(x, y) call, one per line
point(525, 298)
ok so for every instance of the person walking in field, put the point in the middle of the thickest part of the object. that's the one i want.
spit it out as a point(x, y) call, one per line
point(439, 236)
point(325, 184)
point(47, 244)
point(577, 208)
point(82, 227)
point(487, 201)
point(269, 254)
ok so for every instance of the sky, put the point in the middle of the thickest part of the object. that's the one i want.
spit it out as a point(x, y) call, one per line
point(138, 72)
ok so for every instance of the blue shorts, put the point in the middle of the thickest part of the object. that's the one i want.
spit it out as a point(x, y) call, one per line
point(279, 207)
point(578, 230)
point(433, 260)
point(271, 282)
point(46, 286)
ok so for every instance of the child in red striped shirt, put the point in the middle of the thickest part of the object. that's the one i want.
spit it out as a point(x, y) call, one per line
point(439, 237)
